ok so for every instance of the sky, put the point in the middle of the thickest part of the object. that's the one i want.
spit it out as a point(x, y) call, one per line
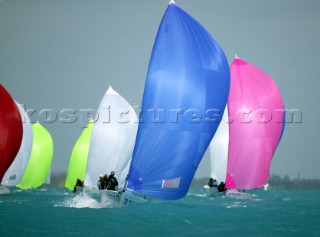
point(63, 54)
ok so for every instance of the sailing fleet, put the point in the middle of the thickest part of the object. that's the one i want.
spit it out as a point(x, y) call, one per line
point(192, 100)
point(26, 149)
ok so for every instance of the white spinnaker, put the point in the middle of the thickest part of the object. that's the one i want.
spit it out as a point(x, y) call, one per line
point(112, 139)
point(15, 172)
point(219, 150)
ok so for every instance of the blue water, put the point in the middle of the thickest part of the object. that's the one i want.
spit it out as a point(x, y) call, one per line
point(56, 212)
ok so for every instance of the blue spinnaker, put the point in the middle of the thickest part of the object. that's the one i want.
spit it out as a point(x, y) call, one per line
point(186, 91)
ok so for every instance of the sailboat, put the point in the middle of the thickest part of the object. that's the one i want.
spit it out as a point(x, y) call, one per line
point(79, 158)
point(256, 114)
point(112, 139)
point(14, 174)
point(187, 82)
point(11, 132)
point(219, 155)
point(39, 164)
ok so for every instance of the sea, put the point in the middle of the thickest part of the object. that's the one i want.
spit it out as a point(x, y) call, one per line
point(58, 212)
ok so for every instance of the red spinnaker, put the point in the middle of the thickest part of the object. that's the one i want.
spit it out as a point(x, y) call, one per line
point(10, 130)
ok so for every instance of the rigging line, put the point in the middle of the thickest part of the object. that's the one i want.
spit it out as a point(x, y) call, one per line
point(138, 80)
point(122, 134)
point(122, 182)
point(118, 149)
point(132, 132)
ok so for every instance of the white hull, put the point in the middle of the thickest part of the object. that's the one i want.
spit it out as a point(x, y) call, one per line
point(118, 198)
point(234, 193)
point(213, 192)
point(4, 190)
point(122, 198)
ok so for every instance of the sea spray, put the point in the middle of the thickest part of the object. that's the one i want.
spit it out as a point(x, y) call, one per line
point(85, 200)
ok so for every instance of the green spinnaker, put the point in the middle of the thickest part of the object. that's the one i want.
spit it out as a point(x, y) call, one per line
point(79, 158)
point(40, 159)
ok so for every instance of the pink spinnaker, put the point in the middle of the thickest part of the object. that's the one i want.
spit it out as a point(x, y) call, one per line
point(255, 109)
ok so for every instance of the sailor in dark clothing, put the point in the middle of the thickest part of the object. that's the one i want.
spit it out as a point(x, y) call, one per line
point(112, 182)
point(222, 187)
point(78, 183)
point(212, 183)
point(102, 183)
point(105, 177)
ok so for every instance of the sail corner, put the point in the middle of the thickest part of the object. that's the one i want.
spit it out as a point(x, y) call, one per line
point(111, 91)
